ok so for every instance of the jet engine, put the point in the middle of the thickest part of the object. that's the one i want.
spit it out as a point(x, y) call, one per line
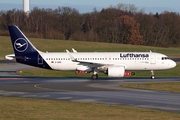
point(116, 71)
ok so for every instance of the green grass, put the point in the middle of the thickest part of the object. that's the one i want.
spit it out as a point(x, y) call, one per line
point(5, 46)
point(61, 45)
point(164, 86)
point(30, 109)
point(51, 73)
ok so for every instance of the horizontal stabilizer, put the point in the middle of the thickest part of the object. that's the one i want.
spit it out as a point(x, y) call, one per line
point(13, 57)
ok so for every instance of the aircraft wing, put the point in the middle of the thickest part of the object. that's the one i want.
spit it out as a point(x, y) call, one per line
point(95, 64)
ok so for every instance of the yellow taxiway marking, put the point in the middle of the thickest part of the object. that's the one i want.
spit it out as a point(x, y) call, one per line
point(37, 86)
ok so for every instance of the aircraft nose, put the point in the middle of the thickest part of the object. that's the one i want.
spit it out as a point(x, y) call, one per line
point(173, 64)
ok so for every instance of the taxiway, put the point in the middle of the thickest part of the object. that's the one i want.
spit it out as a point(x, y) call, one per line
point(103, 91)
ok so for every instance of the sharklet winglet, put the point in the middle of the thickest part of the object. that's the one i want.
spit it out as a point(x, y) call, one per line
point(72, 58)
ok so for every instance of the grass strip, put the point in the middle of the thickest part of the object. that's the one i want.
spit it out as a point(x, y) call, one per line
point(52, 45)
point(25, 108)
point(161, 86)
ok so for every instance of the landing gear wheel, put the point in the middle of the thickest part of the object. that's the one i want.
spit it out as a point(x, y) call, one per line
point(94, 77)
point(152, 77)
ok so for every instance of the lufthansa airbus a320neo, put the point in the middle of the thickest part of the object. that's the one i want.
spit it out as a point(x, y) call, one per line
point(114, 64)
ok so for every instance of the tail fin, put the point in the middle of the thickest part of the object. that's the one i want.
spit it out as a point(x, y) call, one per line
point(20, 43)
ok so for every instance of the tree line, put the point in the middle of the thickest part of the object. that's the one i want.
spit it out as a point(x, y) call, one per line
point(116, 24)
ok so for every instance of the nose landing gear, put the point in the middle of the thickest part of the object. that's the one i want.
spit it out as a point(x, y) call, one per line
point(152, 74)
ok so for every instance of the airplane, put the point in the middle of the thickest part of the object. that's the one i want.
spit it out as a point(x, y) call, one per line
point(114, 64)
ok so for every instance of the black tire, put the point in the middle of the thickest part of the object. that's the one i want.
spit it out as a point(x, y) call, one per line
point(95, 77)
point(152, 77)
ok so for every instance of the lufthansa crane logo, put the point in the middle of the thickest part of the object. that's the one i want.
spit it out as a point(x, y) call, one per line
point(20, 45)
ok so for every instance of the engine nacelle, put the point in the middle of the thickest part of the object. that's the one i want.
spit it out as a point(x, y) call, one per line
point(116, 71)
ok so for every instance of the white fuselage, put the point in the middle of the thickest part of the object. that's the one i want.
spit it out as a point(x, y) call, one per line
point(131, 60)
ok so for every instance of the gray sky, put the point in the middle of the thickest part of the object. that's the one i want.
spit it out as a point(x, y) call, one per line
point(88, 5)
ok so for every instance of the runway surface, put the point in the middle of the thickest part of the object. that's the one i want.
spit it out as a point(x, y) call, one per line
point(104, 90)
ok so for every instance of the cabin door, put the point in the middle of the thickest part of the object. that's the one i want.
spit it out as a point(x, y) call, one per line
point(153, 59)
point(40, 60)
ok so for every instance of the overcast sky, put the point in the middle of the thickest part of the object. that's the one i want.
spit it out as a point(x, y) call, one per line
point(88, 5)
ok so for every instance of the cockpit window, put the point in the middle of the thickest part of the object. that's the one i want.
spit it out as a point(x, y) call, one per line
point(165, 58)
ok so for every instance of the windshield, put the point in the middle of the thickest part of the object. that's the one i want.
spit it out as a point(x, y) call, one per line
point(165, 58)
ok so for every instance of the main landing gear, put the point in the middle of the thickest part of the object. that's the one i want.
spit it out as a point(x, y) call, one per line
point(152, 74)
point(95, 76)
